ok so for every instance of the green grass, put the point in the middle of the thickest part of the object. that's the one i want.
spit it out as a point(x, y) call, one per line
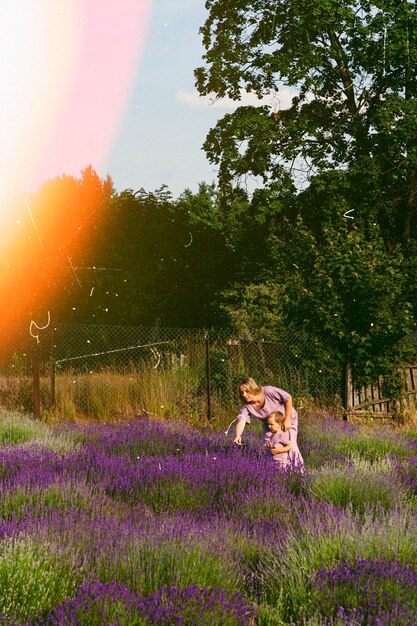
point(326, 541)
point(146, 566)
point(359, 485)
point(34, 577)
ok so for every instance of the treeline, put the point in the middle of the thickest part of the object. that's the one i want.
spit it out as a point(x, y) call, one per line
point(90, 255)
point(276, 262)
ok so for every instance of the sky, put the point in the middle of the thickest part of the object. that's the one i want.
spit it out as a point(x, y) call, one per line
point(107, 83)
point(167, 121)
point(160, 141)
point(103, 82)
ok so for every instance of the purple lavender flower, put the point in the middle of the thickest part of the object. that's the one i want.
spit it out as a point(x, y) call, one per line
point(407, 475)
point(99, 604)
point(164, 487)
point(381, 590)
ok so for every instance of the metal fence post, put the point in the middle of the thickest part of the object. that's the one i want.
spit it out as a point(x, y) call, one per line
point(36, 384)
point(347, 389)
point(53, 370)
point(208, 380)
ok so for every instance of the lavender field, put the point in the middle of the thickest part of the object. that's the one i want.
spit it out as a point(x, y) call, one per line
point(153, 522)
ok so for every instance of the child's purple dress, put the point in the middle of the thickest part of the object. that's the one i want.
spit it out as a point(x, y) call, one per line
point(280, 439)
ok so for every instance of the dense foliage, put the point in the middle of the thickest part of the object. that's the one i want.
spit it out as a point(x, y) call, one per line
point(346, 143)
point(352, 71)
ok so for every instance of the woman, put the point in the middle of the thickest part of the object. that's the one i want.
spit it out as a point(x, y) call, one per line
point(259, 402)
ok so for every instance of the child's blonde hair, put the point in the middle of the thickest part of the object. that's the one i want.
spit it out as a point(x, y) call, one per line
point(277, 416)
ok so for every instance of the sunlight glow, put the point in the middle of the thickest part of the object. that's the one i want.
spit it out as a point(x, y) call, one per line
point(36, 59)
point(66, 73)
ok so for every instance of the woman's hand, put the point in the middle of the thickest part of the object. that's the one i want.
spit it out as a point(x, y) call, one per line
point(240, 426)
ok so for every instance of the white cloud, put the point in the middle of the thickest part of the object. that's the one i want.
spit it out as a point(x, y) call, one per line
point(277, 101)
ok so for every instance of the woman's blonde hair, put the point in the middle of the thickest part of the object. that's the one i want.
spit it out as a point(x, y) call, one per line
point(249, 382)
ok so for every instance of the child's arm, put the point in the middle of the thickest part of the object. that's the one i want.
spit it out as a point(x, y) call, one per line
point(286, 448)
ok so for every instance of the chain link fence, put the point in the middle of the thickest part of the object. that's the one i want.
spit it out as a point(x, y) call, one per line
point(107, 372)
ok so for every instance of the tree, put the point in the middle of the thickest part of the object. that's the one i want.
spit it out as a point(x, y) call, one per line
point(346, 292)
point(332, 285)
point(257, 307)
point(167, 260)
point(351, 66)
point(56, 234)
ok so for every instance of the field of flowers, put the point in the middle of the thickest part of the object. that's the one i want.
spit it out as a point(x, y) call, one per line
point(153, 522)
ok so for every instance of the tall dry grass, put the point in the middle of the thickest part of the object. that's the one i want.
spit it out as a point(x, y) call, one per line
point(110, 395)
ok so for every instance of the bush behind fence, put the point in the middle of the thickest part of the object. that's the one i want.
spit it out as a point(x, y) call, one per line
point(105, 371)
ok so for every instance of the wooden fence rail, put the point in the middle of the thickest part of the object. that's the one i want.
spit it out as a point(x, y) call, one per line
point(370, 400)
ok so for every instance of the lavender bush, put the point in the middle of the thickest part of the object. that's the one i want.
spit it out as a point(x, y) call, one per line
point(34, 576)
point(325, 439)
point(110, 524)
point(356, 486)
point(385, 591)
point(328, 537)
point(113, 603)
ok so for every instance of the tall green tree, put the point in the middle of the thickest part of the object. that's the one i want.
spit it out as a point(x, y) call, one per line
point(343, 247)
point(347, 291)
point(352, 68)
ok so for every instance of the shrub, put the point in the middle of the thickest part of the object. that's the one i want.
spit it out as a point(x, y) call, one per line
point(113, 603)
point(373, 588)
point(33, 577)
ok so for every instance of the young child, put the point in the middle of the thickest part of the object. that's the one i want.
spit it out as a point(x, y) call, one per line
point(283, 450)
